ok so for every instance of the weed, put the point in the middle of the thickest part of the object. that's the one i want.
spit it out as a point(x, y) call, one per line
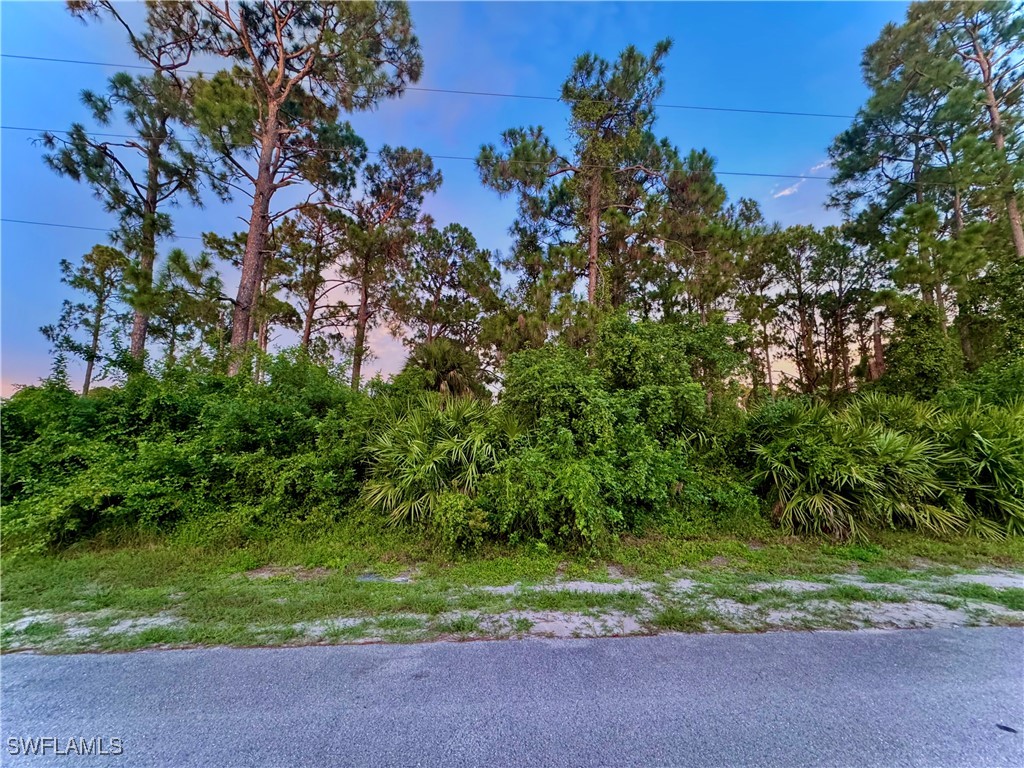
point(680, 619)
point(1012, 598)
point(461, 625)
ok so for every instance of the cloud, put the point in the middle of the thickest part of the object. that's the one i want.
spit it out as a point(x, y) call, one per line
point(794, 188)
point(790, 190)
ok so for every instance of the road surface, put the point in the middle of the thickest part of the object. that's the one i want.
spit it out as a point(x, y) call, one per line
point(925, 697)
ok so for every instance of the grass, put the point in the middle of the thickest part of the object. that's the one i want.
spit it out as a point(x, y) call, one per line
point(215, 600)
point(677, 618)
point(461, 625)
point(1011, 598)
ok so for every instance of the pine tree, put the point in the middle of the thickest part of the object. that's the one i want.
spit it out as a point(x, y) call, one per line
point(612, 112)
point(99, 278)
point(139, 178)
point(273, 116)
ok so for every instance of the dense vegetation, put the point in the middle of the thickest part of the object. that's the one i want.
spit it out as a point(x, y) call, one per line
point(647, 356)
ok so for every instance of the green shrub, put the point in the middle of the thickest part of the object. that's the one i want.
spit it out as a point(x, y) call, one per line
point(158, 452)
point(459, 522)
point(985, 449)
point(432, 446)
point(551, 494)
point(922, 359)
point(837, 475)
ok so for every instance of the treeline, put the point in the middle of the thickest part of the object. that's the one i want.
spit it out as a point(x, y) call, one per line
point(928, 176)
point(639, 332)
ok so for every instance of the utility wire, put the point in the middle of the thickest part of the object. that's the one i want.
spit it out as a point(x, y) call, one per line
point(453, 91)
point(436, 157)
point(77, 226)
point(755, 174)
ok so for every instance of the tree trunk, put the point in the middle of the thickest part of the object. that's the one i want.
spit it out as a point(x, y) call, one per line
point(307, 324)
point(263, 339)
point(594, 218)
point(876, 367)
point(172, 348)
point(147, 250)
point(147, 259)
point(940, 306)
point(755, 374)
point(359, 349)
point(847, 386)
point(255, 251)
point(807, 341)
point(94, 346)
point(996, 122)
point(966, 343)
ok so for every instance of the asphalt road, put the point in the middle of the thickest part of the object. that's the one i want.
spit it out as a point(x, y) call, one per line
point(924, 697)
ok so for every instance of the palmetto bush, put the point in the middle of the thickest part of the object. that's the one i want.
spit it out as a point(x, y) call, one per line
point(840, 474)
point(892, 461)
point(986, 446)
point(425, 448)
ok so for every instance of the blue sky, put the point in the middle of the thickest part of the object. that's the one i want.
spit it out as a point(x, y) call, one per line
point(779, 56)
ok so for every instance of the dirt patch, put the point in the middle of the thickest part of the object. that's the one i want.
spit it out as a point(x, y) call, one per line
point(914, 614)
point(297, 572)
point(718, 561)
point(994, 579)
point(323, 627)
point(615, 572)
point(560, 624)
point(591, 587)
point(789, 585)
point(134, 626)
point(32, 617)
point(683, 585)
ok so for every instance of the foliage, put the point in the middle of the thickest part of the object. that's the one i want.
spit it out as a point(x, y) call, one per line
point(443, 365)
point(630, 340)
point(158, 452)
point(838, 475)
point(893, 462)
point(424, 449)
point(921, 360)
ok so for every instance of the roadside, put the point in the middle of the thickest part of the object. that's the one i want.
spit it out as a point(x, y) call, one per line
point(162, 596)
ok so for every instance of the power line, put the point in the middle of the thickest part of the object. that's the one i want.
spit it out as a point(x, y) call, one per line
point(437, 157)
point(77, 226)
point(489, 94)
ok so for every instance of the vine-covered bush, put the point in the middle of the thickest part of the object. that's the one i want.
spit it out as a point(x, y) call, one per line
point(185, 448)
point(578, 446)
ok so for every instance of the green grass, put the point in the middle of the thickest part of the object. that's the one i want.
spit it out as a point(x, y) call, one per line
point(850, 593)
point(209, 591)
point(679, 618)
point(40, 631)
point(1012, 598)
point(461, 625)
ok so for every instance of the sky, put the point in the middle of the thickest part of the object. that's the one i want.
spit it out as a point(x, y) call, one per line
point(802, 57)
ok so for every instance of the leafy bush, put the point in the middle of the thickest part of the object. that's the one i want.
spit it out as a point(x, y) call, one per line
point(582, 445)
point(609, 437)
point(837, 475)
point(985, 449)
point(459, 522)
point(922, 359)
point(892, 461)
point(424, 449)
point(552, 494)
point(190, 447)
